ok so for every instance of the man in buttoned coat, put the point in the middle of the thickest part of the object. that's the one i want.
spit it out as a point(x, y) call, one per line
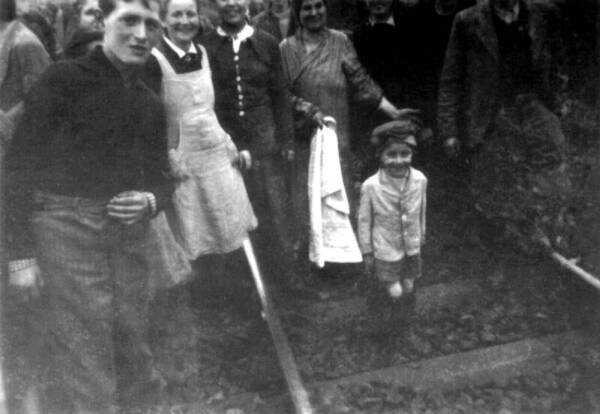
point(498, 105)
point(472, 79)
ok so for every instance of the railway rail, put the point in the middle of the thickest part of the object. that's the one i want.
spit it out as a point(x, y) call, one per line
point(500, 369)
point(483, 341)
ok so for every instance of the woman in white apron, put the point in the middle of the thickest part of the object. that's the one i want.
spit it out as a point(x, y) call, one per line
point(210, 213)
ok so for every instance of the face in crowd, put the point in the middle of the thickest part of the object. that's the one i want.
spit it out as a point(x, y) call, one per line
point(409, 3)
point(233, 12)
point(181, 22)
point(313, 15)
point(396, 158)
point(280, 4)
point(505, 4)
point(90, 16)
point(131, 31)
point(380, 9)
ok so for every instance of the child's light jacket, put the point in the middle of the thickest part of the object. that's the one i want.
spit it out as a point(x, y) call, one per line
point(391, 216)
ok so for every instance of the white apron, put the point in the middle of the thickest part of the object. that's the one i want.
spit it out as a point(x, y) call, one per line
point(211, 212)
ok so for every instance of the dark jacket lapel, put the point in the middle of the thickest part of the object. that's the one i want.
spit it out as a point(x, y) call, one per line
point(537, 32)
point(485, 29)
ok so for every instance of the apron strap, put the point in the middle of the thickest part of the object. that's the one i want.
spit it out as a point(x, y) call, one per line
point(167, 72)
point(165, 66)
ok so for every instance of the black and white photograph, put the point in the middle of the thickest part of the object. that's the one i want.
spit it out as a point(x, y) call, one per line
point(299, 206)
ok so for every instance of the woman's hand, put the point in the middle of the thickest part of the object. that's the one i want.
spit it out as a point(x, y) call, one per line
point(409, 114)
point(399, 114)
point(244, 160)
point(319, 119)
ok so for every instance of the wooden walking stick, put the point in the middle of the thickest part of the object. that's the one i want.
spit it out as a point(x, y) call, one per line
point(284, 352)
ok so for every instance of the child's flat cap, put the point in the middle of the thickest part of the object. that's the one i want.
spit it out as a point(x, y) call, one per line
point(405, 130)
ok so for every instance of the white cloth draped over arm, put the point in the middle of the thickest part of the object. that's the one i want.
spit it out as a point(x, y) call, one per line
point(331, 236)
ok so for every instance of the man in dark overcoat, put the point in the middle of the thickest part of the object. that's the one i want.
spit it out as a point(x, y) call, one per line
point(498, 103)
point(482, 69)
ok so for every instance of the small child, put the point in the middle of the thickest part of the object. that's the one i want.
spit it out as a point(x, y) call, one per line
point(391, 224)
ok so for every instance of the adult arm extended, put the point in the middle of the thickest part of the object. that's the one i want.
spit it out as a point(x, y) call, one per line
point(364, 89)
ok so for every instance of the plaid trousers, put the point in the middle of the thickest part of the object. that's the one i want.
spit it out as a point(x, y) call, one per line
point(96, 276)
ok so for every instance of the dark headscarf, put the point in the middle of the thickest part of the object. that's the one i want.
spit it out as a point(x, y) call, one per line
point(297, 5)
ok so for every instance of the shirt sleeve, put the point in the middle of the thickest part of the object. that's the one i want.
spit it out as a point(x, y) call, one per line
point(364, 89)
point(365, 221)
point(304, 108)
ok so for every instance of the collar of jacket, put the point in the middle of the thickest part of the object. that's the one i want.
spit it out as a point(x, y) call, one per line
point(487, 33)
point(97, 62)
point(192, 50)
point(395, 186)
point(256, 42)
point(390, 21)
point(165, 49)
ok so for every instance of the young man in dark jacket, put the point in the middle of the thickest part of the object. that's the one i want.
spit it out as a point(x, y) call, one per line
point(87, 170)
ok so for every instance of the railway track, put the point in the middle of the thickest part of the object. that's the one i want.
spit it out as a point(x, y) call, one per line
point(480, 346)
